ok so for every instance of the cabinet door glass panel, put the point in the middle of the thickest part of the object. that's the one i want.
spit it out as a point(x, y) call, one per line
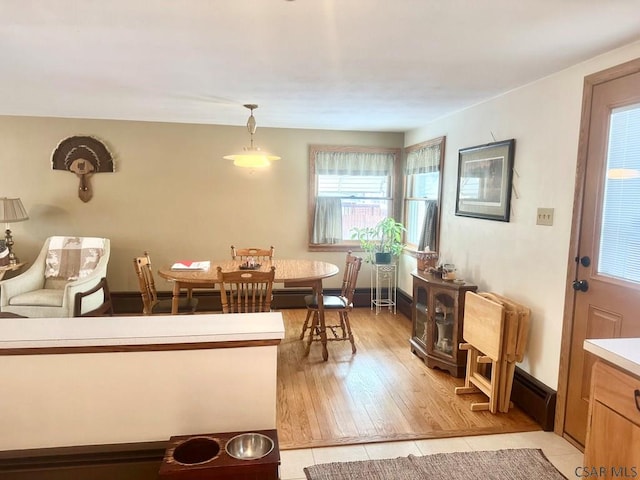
point(444, 321)
point(421, 316)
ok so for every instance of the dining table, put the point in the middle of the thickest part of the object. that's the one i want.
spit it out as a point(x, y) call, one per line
point(290, 272)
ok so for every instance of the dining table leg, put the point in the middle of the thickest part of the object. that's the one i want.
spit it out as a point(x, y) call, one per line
point(175, 300)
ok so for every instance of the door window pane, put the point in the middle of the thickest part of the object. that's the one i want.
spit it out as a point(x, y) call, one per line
point(620, 232)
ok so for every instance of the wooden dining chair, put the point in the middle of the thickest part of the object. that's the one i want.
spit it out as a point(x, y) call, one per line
point(104, 309)
point(342, 304)
point(258, 254)
point(151, 305)
point(246, 291)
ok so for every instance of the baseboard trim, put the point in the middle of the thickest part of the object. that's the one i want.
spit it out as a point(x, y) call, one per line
point(130, 303)
point(404, 303)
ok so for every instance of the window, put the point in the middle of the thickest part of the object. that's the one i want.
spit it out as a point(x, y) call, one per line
point(422, 194)
point(350, 187)
point(619, 244)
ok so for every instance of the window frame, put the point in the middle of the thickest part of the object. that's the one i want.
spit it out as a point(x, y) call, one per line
point(441, 141)
point(395, 185)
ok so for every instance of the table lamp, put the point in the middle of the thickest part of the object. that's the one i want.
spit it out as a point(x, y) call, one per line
point(11, 210)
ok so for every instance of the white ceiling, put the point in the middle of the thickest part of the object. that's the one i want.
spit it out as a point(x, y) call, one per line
point(379, 65)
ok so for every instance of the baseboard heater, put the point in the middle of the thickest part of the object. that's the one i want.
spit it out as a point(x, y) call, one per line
point(135, 461)
point(534, 398)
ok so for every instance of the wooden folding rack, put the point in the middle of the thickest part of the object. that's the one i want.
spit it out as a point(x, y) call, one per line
point(495, 331)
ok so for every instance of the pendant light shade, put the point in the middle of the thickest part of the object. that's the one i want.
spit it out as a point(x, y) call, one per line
point(251, 157)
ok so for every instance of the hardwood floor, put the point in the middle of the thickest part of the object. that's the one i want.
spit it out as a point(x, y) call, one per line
point(382, 393)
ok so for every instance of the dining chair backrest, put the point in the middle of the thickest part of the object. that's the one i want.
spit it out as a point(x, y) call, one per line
point(148, 291)
point(350, 278)
point(257, 254)
point(246, 291)
point(102, 310)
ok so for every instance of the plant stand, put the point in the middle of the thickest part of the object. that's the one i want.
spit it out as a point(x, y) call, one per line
point(384, 279)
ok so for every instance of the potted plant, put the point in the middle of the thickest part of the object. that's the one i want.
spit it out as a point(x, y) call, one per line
point(381, 242)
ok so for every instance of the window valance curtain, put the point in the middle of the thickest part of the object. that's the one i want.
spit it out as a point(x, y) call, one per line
point(354, 163)
point(423, 160)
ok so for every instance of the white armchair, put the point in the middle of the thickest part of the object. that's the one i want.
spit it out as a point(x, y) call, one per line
point(64, 267)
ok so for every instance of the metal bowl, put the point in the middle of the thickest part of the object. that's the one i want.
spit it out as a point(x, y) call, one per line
point(249, 446)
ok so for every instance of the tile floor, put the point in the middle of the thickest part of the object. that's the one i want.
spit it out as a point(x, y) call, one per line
point(561, 453)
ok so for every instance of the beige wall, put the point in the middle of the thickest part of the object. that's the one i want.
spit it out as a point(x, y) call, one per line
point(520, 259)
point(172, 193)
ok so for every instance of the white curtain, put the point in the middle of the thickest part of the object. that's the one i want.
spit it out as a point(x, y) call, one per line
point(429, 230)
point(327, 224)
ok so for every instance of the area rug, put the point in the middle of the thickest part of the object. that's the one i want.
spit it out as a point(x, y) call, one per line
point(509, 464)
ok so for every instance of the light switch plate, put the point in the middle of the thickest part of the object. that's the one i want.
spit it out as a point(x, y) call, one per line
point(545, 216)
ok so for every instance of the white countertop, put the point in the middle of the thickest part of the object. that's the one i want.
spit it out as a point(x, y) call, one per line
point(622, 352)
point(138, 330)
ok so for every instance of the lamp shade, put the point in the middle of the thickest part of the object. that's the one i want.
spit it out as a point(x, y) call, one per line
point(251, 158)
point(12, 210)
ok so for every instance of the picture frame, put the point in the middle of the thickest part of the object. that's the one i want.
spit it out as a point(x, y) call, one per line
point(485, 173)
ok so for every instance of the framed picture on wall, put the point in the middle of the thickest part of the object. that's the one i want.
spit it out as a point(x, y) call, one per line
point(485, 173)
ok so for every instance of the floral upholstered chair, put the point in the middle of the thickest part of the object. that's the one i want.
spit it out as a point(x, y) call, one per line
point(64, 267)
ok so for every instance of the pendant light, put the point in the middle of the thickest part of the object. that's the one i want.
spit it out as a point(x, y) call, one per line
point(251, 157)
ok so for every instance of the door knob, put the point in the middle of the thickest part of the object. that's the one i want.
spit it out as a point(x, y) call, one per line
point(581, 285)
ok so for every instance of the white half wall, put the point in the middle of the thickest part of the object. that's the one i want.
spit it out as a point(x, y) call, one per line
point(102, 398)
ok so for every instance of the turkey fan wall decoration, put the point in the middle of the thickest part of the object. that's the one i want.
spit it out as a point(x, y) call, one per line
point(84, 156)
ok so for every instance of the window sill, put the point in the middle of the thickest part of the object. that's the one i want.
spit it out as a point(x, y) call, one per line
point(330, 247)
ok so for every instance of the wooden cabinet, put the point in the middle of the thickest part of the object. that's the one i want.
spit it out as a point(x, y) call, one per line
point(612, 448)
point(437, 317)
